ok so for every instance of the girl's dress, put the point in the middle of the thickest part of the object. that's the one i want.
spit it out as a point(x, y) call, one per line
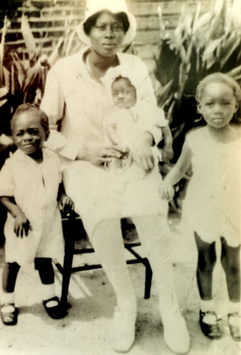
point(34, 188)
point(212, 204)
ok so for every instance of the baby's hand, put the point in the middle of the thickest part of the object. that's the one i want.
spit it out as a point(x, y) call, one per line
point(166, 191)
point(21, 225)
point(66, 204)
point(167, 153)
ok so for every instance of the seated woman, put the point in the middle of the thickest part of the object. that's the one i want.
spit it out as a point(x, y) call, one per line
point(76, 102)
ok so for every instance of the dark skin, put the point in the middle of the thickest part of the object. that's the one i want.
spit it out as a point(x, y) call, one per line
point(100, 58)
point(29, 136)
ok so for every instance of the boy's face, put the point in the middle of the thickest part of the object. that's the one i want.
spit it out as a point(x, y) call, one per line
point(124, 95)
point(28, 133)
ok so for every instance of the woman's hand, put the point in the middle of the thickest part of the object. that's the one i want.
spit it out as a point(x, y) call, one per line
point(21, 225)
point(141, 152)
point(166, 191)
point(98, 154)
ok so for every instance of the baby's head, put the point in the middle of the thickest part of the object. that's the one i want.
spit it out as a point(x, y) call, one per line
point(30, 128)
point(123, 92)
point(218, 97)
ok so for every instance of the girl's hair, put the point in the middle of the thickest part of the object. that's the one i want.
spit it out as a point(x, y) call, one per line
point(120, 77)
point(34, 110)
point(91, 21)
point(219, 78)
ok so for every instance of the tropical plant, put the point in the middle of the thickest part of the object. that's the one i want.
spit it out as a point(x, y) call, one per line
point(201, 44)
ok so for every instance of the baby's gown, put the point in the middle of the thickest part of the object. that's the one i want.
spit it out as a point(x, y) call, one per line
point(212, 204)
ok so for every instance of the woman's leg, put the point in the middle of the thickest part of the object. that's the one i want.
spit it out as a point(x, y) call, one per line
point(108, 244)
point(205, 266)
point(50, 301)
point(154, 235)
point(230, 259)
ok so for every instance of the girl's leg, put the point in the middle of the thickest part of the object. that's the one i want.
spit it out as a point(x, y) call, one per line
point(205, 266)
point(50, 301)
point(230, 259)
point(108, 244)
point(9, 276)
point(154, 235)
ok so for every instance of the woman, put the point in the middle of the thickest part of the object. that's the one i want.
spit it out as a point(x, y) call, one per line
point(76, 101)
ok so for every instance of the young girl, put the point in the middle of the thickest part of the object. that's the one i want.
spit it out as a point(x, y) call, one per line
point(29, 186)
point(212, 204)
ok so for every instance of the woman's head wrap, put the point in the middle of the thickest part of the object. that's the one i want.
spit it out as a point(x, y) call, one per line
point(114, 6)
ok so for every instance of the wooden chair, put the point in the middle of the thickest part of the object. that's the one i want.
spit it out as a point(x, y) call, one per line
point(72, 226)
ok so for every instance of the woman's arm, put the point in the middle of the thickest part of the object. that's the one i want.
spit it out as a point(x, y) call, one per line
point(111, 133)
point(21, 223)
point(175, 175)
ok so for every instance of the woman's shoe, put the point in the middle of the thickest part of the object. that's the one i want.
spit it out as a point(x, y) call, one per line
point(176, 335)
point(234, 322)
point(55, 311)
point(9, 314)
point(209, 324)
point(123, 330)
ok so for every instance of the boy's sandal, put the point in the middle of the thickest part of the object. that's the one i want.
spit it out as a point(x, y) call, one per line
point(210, 327)
point(55, 312)
point(234, 322)
point(9, 314)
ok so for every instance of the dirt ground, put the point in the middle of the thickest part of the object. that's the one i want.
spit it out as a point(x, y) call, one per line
point(85, 330)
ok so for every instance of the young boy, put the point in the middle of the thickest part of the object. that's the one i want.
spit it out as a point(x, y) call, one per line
point(29, 188)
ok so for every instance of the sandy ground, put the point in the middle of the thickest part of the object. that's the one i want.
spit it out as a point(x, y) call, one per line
point(85, 330)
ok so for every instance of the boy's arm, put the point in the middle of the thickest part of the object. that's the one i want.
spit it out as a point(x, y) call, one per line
point(21, 223)
point(65, 202)
point(167, 151)
point(176, 173)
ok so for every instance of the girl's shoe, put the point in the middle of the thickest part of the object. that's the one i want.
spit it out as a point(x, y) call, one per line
point(9, 314)
point(234, 322)
point(209, 324)
point(57, 311)
point(123, 330)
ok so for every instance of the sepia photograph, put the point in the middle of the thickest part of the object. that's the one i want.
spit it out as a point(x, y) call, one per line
point(120, 177)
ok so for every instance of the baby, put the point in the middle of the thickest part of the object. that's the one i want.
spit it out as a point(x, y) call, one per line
point(127, 120)
point(30, 189)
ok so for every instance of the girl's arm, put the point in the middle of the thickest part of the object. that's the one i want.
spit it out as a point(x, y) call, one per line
point(167, 151)
point(21, 223)
point(175, 175)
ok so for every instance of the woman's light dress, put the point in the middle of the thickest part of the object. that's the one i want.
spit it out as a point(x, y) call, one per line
point(78, 104)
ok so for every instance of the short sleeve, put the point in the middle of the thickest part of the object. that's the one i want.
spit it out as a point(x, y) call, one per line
point(6, 180)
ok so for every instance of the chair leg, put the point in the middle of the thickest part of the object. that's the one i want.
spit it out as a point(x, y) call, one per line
point(67, 267)
point(148, 280)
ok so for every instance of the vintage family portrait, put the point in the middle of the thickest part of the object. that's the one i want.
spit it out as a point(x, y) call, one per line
point(120, 177)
